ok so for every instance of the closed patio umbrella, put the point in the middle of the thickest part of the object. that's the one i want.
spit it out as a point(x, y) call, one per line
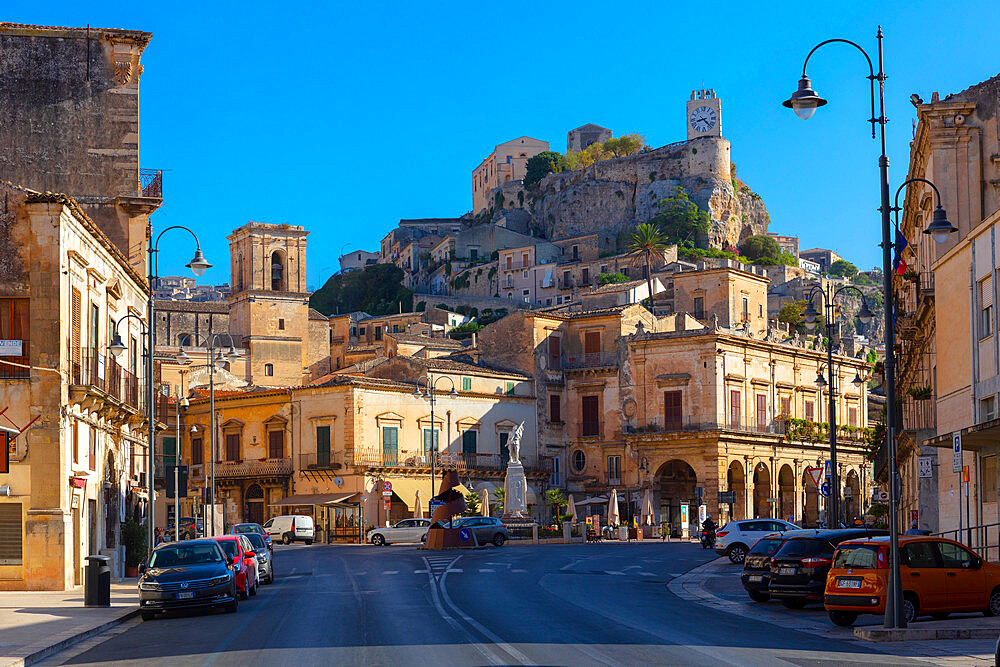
point(572, 508)
point(418, 506)
point(485, 505)
point(613, 518)
point(647, 509)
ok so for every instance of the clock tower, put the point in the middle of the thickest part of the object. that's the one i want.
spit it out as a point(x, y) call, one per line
point(704, 114)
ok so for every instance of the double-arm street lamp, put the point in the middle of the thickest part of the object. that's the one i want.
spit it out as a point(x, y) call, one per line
point(231, 355)
point(811, 317)
point(198, 266)
point(430, 384)
point(804, 102)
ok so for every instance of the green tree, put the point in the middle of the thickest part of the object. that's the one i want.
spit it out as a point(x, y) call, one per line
point(606, 278)
point(788, 259)
point(472, 504)
point(555, 499)
point(681, 220)
point(464, 330)
point(377, 289)
point(843, 268)
point(499, 500)
point(791, 313)
point(647, 240)
point(627, 144)
point(759, 246)
point(538, 166)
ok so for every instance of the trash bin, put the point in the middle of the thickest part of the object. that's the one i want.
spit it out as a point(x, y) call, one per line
point(97, 583)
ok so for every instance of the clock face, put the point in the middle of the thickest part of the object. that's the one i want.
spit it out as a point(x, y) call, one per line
point(703, 119)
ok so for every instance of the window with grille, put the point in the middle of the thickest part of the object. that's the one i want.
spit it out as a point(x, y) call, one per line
point(10, 534)
point(591, 416)
point(579, 460)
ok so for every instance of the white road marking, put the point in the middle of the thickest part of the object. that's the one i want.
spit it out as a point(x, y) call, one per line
point(519, 571)
point(613, 572)
point(391, 572)
point(453, 569)
point(486, 569)
point(421, 571)
point(646, 574)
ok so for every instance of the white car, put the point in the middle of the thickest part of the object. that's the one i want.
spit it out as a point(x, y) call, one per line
point(407, 530)
point(291, 528)
point(736, 538)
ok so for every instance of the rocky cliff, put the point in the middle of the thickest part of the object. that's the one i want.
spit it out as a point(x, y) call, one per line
point(614, 195)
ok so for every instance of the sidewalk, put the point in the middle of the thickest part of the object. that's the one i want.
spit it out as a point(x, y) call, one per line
point(36, 624)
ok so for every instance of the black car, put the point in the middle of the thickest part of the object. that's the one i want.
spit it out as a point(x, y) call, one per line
point(181, 575)
point(757, 564)
point(799, 568)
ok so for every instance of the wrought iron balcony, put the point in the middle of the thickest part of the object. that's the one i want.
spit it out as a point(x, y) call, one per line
point(376, 458)
point(151, 183)
point(248, 469)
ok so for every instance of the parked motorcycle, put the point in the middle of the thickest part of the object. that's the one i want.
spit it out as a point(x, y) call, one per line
point(707, 539)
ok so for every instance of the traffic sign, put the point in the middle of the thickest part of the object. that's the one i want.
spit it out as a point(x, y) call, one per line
point(925, 466)
point(824, 490)
point(465, 534)
point(387, 486)
point(727, 497)
point(387, 494)
point(816, 474)
point(956, 451)
point(827, 468)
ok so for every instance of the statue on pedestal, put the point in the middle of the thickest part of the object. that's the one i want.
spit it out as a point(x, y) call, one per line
point(515, 485)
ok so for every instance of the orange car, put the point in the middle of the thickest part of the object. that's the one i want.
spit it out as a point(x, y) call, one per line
point(939, 576)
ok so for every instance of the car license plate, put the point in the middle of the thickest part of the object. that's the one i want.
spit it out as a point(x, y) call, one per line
point(786, 570)
point(848, 583)
point(755, 578)
point(185, 596)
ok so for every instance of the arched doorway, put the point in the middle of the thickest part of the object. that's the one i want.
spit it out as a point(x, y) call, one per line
point(852, 498)
point(761, 490)
point(810, 501)
point(737, 483)
point(254, 504)
point(677, 481)
point(786, 492)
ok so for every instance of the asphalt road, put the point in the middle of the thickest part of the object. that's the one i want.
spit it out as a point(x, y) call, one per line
point(532, 605)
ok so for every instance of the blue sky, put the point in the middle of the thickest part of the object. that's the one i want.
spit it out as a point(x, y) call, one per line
point(345, 117)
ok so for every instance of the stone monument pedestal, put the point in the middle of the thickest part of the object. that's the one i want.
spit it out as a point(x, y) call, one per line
point(515, 488)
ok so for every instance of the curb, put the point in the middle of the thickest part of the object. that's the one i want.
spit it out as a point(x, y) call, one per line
point(43, 653)
point(923, 634)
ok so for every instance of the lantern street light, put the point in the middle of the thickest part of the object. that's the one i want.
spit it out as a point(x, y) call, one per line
point(430, 382)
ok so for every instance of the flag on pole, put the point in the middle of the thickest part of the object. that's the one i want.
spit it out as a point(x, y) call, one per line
point(899, 264)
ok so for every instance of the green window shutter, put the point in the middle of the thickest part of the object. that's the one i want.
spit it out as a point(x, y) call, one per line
point(390, 445)
point(466, 384)
point(323, 446)
point(469, 441)
point(169, 447)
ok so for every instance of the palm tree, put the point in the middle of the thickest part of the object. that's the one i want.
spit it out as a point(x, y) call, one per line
point(646, 241)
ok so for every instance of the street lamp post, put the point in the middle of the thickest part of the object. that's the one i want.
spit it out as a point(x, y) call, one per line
point(811, 316)
point(430, 382)
point(198, 266)
point(231, 355)
point(804, 102)
point(182, 402)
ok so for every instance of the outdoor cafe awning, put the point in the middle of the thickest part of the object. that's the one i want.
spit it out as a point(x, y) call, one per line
point(405, 489)
point(974, 438)
point(314, 499)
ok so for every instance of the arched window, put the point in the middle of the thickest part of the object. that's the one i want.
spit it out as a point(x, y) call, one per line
point(277, 272)
point(184, 340)
point(269, 370)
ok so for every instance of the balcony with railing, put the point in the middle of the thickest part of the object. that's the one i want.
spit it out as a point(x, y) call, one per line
point(792, 429)
point(321, 461)
point(585, 360)
point(151, 183)
point(99, 383)
point(252, 469)
point(461, 461)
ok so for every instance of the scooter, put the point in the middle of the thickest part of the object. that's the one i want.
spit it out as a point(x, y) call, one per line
point(707, 539)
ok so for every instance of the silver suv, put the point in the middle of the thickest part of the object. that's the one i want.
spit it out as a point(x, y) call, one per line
point(736, 538)
point(483, 530)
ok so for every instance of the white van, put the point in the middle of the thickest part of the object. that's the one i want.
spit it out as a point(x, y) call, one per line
point(291, 527)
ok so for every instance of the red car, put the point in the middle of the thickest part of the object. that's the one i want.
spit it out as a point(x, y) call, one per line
point(244, 562)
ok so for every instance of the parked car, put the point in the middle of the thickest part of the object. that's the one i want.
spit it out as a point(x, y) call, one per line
point(244, 562)
point(800, 566)
point(265, 557)
point(736, 537)
point(939, 576)
point(291, 527)
point(247, 528)
point(486, 529)
point(756, 575)
point(407, 530)
point(181, 575)
point(190, 528)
